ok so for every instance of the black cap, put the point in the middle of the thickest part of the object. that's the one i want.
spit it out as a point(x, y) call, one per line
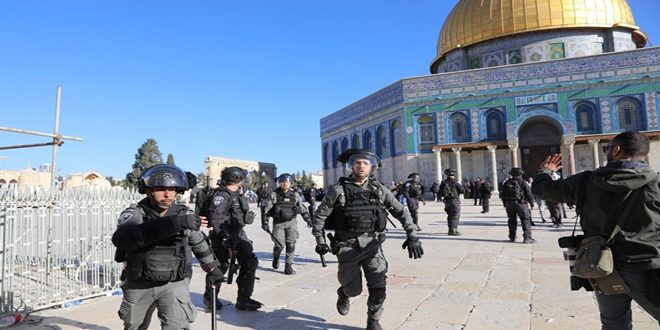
point(450, 172)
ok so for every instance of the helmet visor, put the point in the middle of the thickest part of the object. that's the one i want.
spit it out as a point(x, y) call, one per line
point(286, 178)
point(362, 160)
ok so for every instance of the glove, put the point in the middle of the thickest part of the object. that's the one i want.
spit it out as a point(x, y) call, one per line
point(309, 222)
point(215, 277)
point(322, 249)
point(414, 247)
point(189, 221)
point(264, 226)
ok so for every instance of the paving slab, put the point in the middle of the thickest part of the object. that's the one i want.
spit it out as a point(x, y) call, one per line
point(478, 280)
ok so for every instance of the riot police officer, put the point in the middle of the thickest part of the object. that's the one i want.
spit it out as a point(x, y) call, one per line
point(517, 197)
point(263, 194)
point(311, 195)
point(413, 191)
point(356, 209)
point(451, 190)
point(155, 238)
point(283, 206)
point(228, 213)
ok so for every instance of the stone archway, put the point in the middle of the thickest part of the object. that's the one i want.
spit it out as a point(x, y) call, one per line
point(538, 137)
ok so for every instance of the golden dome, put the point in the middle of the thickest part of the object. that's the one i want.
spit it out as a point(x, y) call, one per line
point(473, 21)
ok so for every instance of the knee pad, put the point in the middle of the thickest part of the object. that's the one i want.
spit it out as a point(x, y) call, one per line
point(290, 247)
point(377, 295)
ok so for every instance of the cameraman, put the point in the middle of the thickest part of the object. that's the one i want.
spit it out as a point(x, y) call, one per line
point(636, 248)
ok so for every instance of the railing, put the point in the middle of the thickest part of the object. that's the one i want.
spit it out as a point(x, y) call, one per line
point(56, 244)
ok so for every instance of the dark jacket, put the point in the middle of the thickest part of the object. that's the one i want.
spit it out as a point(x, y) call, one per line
point(638, 243)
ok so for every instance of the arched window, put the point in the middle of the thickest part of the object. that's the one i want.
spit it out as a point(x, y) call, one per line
point(366, 140)
point(630, 114)
point(426, 131)
point(344, 145)
point(459, 127)
point(381, 141)
point(335, 153)
point(585, 118)
point(396, 138)
point(494, 125)
point(355, 143)
point(326, 164)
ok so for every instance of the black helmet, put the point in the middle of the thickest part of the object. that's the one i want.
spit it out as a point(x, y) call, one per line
point(163, 175)
point(450, 172)
point(414, 177)
point(352, 154)
point(517, 171)
point(285, 177)
point(233, 174)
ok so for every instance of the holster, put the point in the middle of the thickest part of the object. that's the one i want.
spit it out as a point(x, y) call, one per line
point(610, 284)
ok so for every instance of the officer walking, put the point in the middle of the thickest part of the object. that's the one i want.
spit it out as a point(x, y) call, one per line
point(451, 191)
point(263, 195)
point(356, 209)
point(311, 196)
point(228, 213)
point(283, 206)
point(413, 191)
point(517, 197)
point(155, 238)
point(485, 193)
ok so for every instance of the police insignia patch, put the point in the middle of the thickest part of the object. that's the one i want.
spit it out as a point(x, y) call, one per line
point(124, 217)
point(217, 200)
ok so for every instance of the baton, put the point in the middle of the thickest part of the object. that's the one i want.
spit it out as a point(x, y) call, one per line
point(214, 321)
point(323, 261)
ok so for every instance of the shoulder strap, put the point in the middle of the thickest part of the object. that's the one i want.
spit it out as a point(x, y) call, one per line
point(626, 210)
point(579, 199)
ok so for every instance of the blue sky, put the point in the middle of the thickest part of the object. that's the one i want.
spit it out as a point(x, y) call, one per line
point(238, 79)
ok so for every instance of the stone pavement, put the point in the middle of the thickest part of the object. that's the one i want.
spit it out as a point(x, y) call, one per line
point(475, 281)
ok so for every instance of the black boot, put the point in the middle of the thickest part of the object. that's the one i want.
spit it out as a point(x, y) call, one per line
point(276, 257)
point(288, 270)
point(373, 324)
point(343, 304)
point(247, 304)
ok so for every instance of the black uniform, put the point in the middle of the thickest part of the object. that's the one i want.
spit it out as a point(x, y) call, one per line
point(485, 193)
point(228, 214)
point(263, 195)
point(517, 197)
point(413, 192)
point(450, 189)
point(311, 197)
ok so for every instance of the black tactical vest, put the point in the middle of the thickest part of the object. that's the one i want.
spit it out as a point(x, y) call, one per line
point(415, 190)
point(239, 208)
point(168, 260)
point(285, 206)
point(362, 212)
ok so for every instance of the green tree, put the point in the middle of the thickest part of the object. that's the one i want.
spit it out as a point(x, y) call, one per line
point(147, 156)
point(202, 180)
point(170, 159)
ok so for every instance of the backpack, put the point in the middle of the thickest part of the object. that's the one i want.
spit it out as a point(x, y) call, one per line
point(448, 190)
point(513, 191)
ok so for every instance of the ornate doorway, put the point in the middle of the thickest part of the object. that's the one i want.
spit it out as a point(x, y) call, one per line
point(538, 138)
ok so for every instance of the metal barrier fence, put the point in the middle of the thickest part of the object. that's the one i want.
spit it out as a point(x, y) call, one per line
point(56, 244)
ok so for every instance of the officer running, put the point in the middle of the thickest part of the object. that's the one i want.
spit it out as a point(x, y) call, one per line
point(413, 191)
point(283, 206)
point(356, 209)
point(517, 197)
point(155, 238)
point(228, 213)
point(451, 191)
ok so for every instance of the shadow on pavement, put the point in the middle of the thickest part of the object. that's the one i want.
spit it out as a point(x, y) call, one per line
point(285, 319)
point(55, 322)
